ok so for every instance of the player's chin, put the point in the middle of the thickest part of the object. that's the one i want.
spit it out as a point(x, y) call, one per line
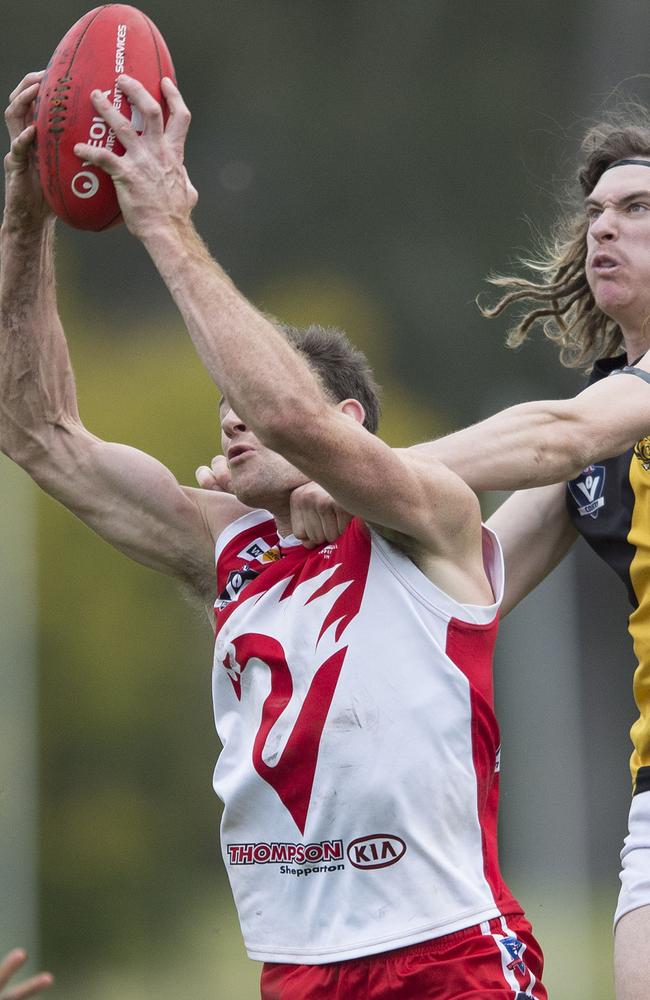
point(613, 302)
point(246, 491)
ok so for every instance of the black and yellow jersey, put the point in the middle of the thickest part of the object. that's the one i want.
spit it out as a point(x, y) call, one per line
point(609, 503)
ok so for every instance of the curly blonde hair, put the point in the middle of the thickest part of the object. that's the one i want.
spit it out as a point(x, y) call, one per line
point(565, 306)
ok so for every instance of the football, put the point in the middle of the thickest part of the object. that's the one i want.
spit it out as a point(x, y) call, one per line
point(105, 42)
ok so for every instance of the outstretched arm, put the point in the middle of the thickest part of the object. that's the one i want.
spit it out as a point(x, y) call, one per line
point(127, 497)
point(535, 444)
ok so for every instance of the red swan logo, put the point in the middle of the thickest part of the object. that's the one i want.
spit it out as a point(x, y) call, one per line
point(335, 599)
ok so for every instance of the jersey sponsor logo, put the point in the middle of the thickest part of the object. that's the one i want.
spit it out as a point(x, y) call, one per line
point(642, 452)
point(378, 851)
point(514, 949)
point(260, 551)
point(237, 580)
point(587, 490)
point(283, 853)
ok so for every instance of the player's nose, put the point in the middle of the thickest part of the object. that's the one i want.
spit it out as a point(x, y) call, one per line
point(604, 228)
point(231, 423)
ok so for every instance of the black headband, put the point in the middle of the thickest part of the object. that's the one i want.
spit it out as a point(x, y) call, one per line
point(623, 163)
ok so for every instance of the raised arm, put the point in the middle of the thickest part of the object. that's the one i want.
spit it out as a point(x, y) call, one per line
point(127, 497)
point(265, 381)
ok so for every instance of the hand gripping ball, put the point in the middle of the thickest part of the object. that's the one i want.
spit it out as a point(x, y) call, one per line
point(104, 43)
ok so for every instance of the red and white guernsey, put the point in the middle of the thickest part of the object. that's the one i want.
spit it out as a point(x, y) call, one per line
point(360, 759)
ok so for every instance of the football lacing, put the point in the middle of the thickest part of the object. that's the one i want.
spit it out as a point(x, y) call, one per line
point(58, 104)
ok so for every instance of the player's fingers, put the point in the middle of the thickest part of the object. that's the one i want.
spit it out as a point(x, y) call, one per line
point(330, 524)
point(20, 110)
point(221, 472)
point(27, 81)
point(314, 526)
point(98, 157)
point(143, 104)
point(19, 150)
point(10, 964)
point(342, 519)
point(122, 127)
point(298, 526)
point(30, 988)
point(206, 478)
point(180, 115)
point(305, 522)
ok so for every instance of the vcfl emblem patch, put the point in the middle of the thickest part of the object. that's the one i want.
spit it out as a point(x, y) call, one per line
point(589, 487)
point(514, 949)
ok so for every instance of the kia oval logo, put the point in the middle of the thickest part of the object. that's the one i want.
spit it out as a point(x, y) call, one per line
point(377, 851)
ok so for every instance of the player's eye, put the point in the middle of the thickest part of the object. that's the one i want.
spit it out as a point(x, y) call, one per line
point(637, 208)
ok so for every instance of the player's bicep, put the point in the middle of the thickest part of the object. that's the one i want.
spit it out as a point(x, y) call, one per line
point(136, 504)
point(536, 533)
point(612, 414)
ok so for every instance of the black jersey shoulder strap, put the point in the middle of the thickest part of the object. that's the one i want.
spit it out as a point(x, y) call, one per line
point(631, 370)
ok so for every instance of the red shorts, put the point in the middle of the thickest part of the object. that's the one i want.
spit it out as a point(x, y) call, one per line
point(496, 960)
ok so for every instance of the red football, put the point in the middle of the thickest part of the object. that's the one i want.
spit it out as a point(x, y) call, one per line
point(105, 42)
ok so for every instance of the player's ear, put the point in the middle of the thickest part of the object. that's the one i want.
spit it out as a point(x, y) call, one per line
point(352, 408)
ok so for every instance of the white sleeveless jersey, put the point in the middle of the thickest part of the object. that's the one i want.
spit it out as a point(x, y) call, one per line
point(359, 770)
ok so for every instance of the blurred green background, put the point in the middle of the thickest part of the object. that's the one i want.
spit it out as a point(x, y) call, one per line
point(364, 164)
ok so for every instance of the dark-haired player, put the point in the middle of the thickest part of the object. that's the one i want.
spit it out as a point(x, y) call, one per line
point(352, 681)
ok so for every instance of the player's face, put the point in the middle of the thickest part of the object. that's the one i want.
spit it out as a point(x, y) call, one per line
point(260, 477)
point(618, 245)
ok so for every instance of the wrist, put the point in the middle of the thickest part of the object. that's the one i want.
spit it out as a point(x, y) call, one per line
point(173, 242)
point(25, 230)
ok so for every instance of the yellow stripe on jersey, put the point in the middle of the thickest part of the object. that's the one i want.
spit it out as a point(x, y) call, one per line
point(639, 621)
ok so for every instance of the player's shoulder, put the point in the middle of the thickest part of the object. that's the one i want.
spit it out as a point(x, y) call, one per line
point(218, 510)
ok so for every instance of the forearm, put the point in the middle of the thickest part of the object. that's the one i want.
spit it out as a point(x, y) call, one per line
point(250, 361)
point(37, 392)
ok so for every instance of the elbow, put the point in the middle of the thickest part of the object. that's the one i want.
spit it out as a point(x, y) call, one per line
point(42, 452)
point(28, 450)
